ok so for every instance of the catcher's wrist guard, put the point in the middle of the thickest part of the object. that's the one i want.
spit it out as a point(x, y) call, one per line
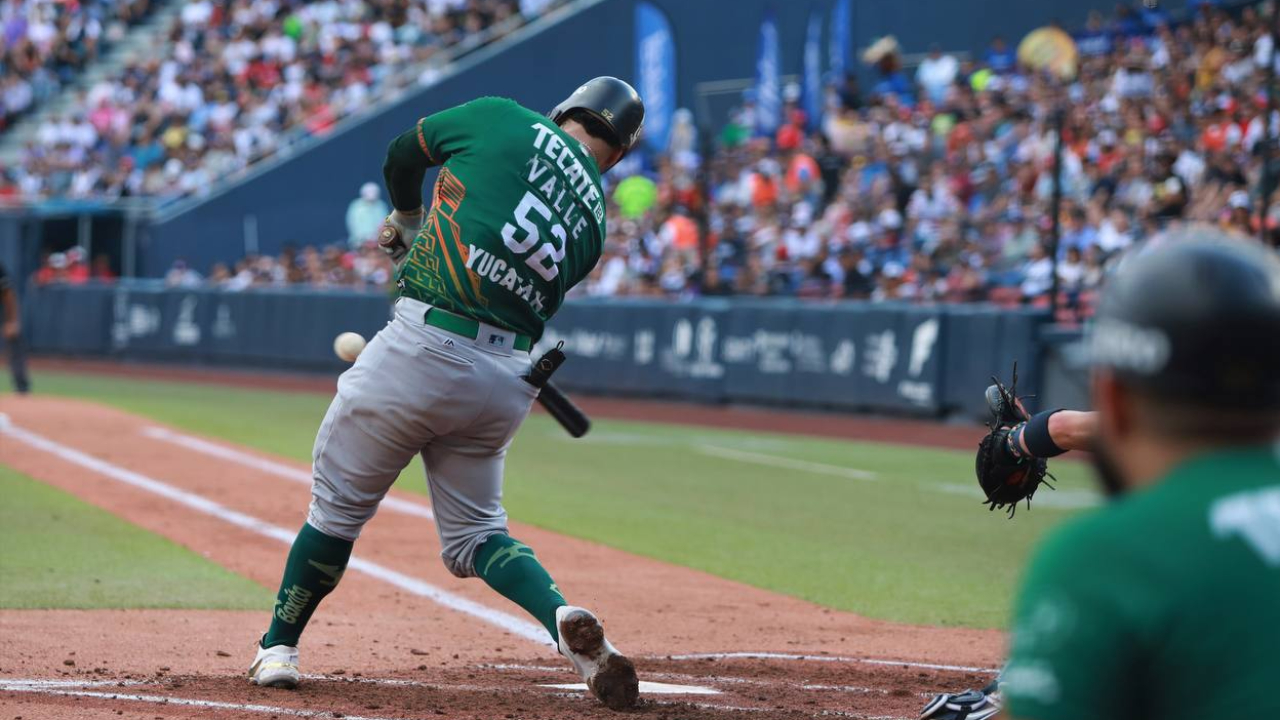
point(1035, 435)
point(1013, 441)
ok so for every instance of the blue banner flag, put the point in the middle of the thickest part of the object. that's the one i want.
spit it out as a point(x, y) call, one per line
point(813, 95)
point(655, 73)
point(768, 80)
point(839, 39)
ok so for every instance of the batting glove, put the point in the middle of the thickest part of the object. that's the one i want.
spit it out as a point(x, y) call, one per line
point(398, 232)
point(968, 705)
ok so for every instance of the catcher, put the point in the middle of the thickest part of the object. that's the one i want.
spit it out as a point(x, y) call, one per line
point(1121, 612)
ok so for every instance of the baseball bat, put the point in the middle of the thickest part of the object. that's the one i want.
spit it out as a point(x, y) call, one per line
point(570, 416)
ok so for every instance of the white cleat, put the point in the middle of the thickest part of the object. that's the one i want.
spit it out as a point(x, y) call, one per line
point(609, 675)
point(275, 667)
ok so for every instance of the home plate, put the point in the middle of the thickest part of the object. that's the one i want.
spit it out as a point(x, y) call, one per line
point(650, 688)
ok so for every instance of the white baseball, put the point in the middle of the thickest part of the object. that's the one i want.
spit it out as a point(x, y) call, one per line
point(348, 346)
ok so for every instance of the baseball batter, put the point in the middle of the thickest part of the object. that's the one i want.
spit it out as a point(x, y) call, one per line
point(517, 218)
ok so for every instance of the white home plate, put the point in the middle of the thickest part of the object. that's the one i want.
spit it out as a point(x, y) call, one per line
point(650, 688)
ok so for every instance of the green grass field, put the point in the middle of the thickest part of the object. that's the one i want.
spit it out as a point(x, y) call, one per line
point(59, 552)
point(791, 514)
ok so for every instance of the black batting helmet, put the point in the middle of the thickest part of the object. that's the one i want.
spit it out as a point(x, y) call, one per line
point(611, 101)
point(1195, 320)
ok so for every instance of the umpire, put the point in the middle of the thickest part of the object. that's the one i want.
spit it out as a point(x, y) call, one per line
point(11, 333)
point(1166, 602)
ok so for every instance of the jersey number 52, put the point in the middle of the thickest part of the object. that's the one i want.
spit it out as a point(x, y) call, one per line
point(532, 235)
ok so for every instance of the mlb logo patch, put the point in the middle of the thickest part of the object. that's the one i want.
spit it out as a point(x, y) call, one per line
point(499, 340)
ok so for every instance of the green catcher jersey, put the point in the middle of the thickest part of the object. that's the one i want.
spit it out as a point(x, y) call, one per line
point(517, 216)
point(1164, 604)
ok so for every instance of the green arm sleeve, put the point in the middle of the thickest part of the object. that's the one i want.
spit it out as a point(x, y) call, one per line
point(1075, 640)
point(403, 171)
point(432, 141)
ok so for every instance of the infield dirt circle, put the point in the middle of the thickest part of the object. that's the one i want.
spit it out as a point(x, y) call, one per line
point(402, 638)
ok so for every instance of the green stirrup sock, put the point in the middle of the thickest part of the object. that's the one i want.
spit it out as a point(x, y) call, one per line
point(316, 563)
point(510, 567)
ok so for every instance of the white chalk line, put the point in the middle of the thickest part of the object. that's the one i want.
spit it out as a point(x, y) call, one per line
point(818, 713)
point(271, 467)
point(512, 666)
point(58, 683)
point(728, 680)
point(786, 462)
point(646, 686)
point(184, 702)
point(516, 626)
point(822, 658)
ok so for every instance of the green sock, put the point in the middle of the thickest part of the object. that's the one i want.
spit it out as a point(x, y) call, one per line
point(316, 563)
point(509, 566)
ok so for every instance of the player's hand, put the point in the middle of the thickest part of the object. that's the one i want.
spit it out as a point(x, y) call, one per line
point(398, 231)
point(11, 328)
point(968, 705)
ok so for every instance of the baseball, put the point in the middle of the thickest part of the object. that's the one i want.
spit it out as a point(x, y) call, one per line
point(348, 346)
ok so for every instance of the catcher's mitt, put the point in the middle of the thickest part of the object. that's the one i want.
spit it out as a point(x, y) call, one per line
point(1006, 478)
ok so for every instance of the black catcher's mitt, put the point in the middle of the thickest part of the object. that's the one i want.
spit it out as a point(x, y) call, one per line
point(1007, 479)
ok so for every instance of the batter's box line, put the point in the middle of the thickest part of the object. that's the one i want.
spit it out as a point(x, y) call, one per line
point(725, 679)
point(185, 702)
point(823, 658)
point(19, 684)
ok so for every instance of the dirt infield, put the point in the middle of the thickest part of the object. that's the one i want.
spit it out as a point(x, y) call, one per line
point(402, 638)
point(817, 424)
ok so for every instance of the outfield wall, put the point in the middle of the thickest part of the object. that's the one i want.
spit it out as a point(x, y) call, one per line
point(881, 357)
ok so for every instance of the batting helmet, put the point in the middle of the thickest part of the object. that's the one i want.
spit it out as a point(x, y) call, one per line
point(1196, 319)
point(613, 102)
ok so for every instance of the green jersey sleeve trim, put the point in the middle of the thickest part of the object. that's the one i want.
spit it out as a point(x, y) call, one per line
point(422, 142)
point(403, 172)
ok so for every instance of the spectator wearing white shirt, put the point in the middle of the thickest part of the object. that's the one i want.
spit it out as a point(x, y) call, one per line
point(1037, 275)
point(365, 215)
point(936, 74)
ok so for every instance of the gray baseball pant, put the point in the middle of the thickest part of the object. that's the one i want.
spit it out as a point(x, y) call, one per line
point(417, 389)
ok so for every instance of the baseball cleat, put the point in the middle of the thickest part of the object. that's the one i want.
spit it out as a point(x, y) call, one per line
point(275, 667)
point(609, 675)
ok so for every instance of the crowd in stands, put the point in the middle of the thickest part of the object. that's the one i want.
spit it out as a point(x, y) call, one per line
point(929, 187)
point(333, 266)
point(44, 44)
point(937, 187)
point(72, 267)
point(232, 80)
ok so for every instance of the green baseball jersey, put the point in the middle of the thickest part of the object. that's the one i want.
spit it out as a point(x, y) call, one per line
point(1164, 604)
point(517, 215)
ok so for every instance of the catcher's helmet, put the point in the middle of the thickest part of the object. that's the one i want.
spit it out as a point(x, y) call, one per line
point(613, 102)
point(1196, 319)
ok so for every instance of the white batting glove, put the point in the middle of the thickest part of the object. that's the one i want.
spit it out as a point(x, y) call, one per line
point(398, 232)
